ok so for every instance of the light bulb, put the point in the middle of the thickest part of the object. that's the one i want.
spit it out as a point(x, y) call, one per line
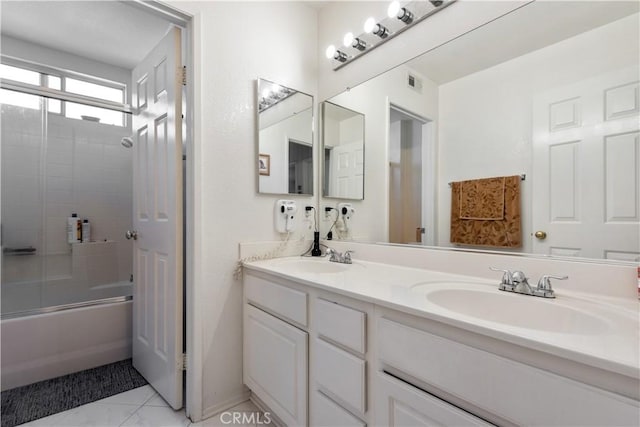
point(340, 56)
point(331, 50)
point(359, 44)
point(348, 39)
point(369, 24)
point(394, 8)
point(266, 93)
point(405, 15)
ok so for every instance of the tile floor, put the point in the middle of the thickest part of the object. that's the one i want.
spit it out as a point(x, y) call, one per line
point(138, 407)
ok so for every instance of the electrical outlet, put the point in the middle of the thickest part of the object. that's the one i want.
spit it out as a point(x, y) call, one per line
point(327, 213)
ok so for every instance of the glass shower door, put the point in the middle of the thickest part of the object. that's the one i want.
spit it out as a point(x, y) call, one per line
point(53, 165)
point(23, 157)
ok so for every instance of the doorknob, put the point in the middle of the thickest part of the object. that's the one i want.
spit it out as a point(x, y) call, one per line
point(131, 234)
point(540, 235)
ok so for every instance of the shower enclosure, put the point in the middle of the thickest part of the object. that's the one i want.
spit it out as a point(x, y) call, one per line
point(64, 305)
point(53, 166)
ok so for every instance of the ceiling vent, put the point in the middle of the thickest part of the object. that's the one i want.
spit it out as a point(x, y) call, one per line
point(414, 82)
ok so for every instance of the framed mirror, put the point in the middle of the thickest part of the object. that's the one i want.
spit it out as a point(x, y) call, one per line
point(556, 101)
point(285, 140)
point(342, 152)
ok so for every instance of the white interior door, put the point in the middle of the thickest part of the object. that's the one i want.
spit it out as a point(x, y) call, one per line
point(586, 167)
point(157, 211)
point(347, 175)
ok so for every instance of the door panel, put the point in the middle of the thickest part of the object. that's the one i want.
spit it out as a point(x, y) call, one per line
point(157, 301)
point(347, 161)
point(586, 194)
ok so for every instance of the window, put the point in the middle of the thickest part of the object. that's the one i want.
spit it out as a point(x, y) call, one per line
point(94, 90)
point(113, 92)
point(54, 105)
point(86, 112)
point(19, 99)
point(19, 74)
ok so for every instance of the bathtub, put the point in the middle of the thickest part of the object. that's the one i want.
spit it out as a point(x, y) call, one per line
point(66, 339)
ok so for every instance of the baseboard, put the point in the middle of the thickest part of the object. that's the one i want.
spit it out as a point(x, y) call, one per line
point(264, 408)
point(227, 404)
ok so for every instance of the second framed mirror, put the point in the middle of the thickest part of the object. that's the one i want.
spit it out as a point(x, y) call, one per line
point(285, 140)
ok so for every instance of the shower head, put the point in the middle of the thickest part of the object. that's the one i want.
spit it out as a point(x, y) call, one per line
point(127, 142)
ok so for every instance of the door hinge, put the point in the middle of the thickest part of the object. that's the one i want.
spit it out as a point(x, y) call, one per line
point(183, 361)
point(184, 76)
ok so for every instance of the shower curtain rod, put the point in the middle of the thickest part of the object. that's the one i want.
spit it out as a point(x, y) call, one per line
point(64, 96)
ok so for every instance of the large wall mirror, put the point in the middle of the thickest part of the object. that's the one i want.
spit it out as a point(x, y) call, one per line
point(548, 92)
point(285, 140)
point(343, 152)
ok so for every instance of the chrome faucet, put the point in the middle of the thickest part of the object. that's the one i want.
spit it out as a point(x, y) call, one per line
point(335, 256)
point(517, 282)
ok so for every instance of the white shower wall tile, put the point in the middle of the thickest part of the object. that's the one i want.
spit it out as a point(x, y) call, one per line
point(59, 170)
point(58, 266)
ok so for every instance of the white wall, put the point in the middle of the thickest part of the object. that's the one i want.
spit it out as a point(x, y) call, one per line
point(372, 98)
point(340, 17)
point(234, 44)
point(485, 118)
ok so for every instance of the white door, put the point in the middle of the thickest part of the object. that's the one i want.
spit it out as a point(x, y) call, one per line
point(586, 194)
point(347, 162)
point(157, 211)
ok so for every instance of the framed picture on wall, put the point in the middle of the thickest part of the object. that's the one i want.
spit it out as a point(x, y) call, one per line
point(264, 164)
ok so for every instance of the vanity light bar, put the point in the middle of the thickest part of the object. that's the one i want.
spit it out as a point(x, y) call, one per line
point(274, 95)
point(376, 32)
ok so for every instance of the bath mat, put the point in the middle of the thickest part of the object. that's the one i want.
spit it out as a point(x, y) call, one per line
point(44, 398)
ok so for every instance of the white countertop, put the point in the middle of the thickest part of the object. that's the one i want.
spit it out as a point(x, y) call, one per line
point(599, 331)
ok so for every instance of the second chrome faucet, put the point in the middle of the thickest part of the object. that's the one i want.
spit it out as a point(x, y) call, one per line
point(517, 282)
point(335, 256)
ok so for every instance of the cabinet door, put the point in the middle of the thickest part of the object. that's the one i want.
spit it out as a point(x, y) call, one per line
point(400, 405)
point(275, 364)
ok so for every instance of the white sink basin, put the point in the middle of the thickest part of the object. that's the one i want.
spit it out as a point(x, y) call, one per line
point(313, 266)
point(517, 310)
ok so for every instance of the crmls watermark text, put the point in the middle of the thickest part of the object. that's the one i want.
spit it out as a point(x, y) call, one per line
point(257, 418)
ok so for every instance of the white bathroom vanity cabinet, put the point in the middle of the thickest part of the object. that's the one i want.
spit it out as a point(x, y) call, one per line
point(354, 346)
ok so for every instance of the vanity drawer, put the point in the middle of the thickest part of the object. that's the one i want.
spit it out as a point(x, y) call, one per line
point(494, 384)
point(327, 413)
point(399, 404)
point(341, 376)
point(341, 324)
point(288, 303)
